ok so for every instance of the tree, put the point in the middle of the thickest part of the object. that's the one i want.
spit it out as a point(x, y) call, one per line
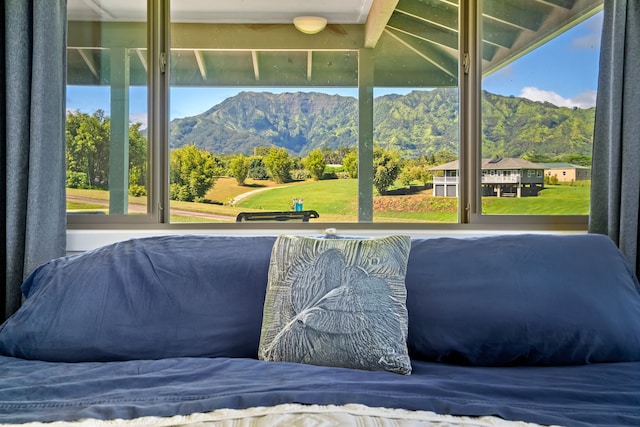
point(444, 156)
point(257, 169)
point(278, 163)
point(350, 163)
point(315, 164)
point(87, 151)
point(261, 151)
point(239, 168)
point(87, 146)
point(192, 173)
point(579, 160)
point(386, 168)
point(137, 161)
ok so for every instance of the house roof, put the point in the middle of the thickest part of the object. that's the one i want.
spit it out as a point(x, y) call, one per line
point(498, 163)
point(562, 165)
point(254, 44)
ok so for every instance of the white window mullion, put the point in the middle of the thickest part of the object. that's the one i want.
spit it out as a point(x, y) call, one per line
point(470, 132)
point(158, 128)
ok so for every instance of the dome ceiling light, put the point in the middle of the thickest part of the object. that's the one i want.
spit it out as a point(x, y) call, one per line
point(310, 24)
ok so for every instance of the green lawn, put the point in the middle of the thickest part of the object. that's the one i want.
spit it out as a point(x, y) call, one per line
point(336, 201)
point(553, 200)
point(415, 217)
point(339, 197)
point(80, 206)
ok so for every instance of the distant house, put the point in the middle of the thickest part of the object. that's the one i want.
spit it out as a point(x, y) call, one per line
point(501, 177)
point(567, 172)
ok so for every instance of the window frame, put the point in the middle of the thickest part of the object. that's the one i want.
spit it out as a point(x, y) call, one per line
point(470, 173)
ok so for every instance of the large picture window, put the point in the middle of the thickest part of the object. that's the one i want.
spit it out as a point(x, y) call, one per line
point(430, 113)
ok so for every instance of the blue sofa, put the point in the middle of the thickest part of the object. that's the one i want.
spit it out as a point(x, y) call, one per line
point(535, 328)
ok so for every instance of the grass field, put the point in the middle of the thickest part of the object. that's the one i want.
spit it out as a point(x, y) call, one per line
point(553, 200)
point(336, 201)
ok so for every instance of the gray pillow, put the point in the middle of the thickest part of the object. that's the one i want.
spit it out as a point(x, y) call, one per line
point(337, 302)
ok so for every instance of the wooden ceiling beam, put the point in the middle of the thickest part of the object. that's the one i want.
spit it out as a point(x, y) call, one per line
point(89, 63)
point(201, 66)
point(427, 51)
point(256, 65)
point(565, 4)
point(142, 58)
point(446, 37)
point(515, 14)
point(105, 35)
point(379, 15)
point(439, 14)
point(433, 34)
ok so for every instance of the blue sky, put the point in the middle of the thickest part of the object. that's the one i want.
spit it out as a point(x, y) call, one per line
point(563, 71)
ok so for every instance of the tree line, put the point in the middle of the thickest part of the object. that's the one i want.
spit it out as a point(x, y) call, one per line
point(194, 171)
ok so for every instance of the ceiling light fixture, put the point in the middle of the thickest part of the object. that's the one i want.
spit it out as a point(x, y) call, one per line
point(310, 24)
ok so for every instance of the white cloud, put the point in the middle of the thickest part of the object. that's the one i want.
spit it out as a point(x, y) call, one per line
point(585, 99)
point(591, 40)
point(139, 118)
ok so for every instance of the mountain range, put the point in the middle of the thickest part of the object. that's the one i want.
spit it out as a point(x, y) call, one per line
point(422, 122)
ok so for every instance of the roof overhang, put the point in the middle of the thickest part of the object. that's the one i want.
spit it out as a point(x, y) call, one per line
point(414, 42)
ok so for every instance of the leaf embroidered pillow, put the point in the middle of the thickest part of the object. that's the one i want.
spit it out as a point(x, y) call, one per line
point(337, 302)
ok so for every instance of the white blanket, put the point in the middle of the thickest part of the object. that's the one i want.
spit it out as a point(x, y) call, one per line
point(300, 416)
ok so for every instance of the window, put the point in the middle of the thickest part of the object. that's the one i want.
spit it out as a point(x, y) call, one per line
point(107, 110)
point(221, 114)
point(539, 108)
point(260, 126)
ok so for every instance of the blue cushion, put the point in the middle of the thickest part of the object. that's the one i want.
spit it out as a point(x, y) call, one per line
point(147, 298)
point(522, 300)
point(500, 300)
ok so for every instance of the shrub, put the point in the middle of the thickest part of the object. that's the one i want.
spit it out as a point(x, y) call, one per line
point(350, 164)
point(77, 180)
point(315, 164)
point(239, 168)
point(551, 180)
point(137, 190)
point(279, 164)
point(386, 168)
point(300, 174)
point(257, 169)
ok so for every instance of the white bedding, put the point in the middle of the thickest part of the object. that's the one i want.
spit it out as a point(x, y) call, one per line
point(299, 415)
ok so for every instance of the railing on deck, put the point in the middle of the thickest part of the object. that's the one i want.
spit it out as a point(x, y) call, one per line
point(486, 179)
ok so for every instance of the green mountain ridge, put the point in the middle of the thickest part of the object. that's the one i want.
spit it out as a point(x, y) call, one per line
point(417, 124)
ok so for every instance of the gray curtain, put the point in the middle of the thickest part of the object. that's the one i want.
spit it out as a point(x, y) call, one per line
point(32, 138)
point(615, 185)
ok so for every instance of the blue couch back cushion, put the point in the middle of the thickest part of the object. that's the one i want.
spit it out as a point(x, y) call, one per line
point(147, 298)
point(522, 300)
point(498, 300)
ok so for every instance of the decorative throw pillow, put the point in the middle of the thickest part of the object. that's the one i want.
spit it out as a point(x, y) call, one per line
point(337, 302)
